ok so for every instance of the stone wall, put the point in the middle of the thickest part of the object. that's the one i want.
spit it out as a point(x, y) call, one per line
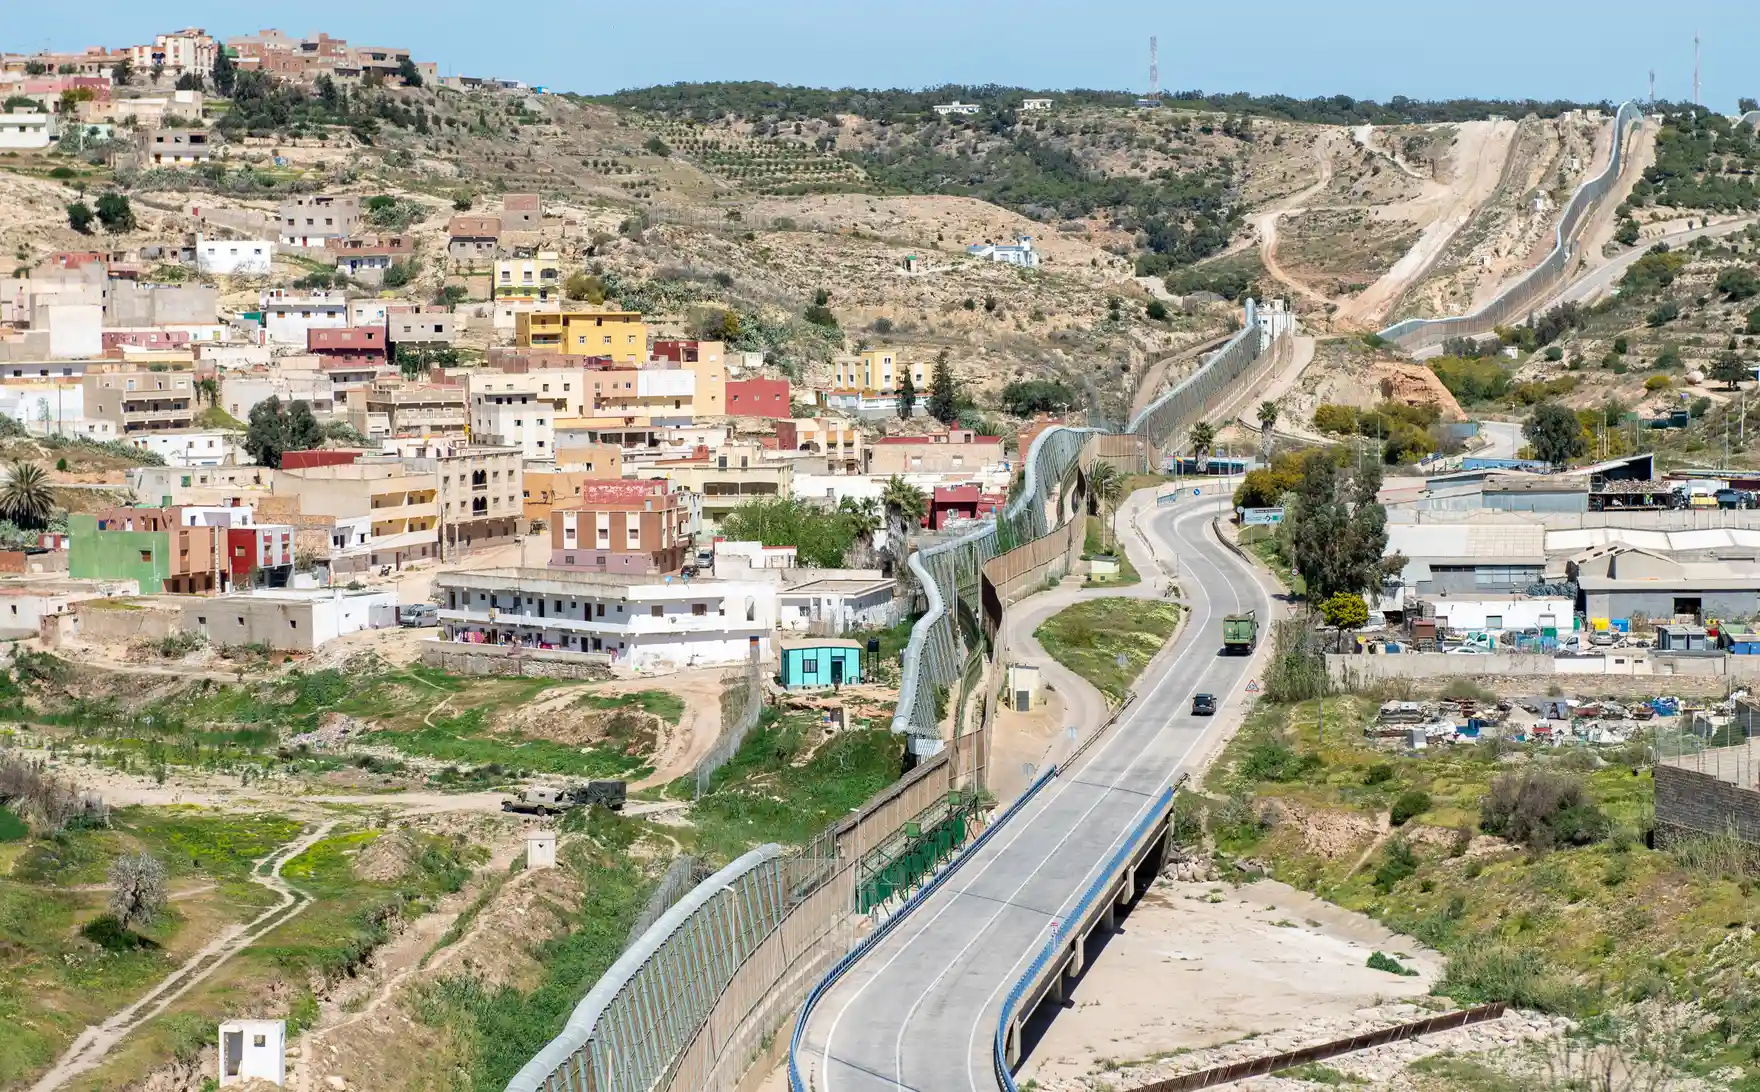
point(1692, 803)
point(457, 658)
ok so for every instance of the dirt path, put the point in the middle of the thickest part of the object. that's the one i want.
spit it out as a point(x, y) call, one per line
point(1265, 222)
point(687, 744)
point(94, 1043)
point(1156, 374)
point(1481, 153)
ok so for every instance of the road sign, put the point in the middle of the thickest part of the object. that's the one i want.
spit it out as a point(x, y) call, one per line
point(1252, 686)
point(1251, 516)
point(1196, 492)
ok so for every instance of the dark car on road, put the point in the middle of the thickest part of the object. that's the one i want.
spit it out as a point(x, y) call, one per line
point(1203, 705)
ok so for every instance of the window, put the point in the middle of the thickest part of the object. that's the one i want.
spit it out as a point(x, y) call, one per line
point(1494, 621)
point(809, 665)
point(146, 557)
point(699, 610)
point(654, 611)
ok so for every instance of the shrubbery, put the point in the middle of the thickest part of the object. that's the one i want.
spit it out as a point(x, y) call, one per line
point(1541, 810)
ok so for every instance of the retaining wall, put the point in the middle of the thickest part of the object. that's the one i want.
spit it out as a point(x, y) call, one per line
point(1690, 803)
point(1645, 665)
point(503, 660)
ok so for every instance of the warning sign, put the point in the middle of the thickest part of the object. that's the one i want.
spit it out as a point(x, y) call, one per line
point(1252, 686)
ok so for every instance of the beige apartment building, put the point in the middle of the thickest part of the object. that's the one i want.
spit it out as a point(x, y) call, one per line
point(393, 408)
point(481, 493)
point(140, 401)
point(383, 511)
point(956, 451)
point(727, 478)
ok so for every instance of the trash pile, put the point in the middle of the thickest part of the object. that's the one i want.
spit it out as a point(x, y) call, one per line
point(1417, 725)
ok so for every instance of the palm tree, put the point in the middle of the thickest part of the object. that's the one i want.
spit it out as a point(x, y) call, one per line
point(1106, 486)
point(905, 508)
point(208, 390)
point(1203, 438)
point(1268, 414)
point(25, 497)
point(862, 515)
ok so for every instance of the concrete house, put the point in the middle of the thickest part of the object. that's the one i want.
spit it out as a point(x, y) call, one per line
point(234, 257)
point(956, 451)
point(310, 220)
point(636, 527)
point(473, 239)
point(289, 317)
point(177, 147)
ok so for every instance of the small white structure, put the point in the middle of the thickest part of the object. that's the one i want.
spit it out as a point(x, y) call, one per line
point(540, 849)
point(234, 257)
point(957, 107)
point(288, 316)
point(1021, 253)
point(1023, 687)
point(26, 131)
point(1035, 106)
point(253, 1050)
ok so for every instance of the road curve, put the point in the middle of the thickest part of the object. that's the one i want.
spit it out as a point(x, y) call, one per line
point(919, 1012)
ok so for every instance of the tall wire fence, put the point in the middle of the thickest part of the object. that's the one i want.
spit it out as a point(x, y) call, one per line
point(742, 704)
point(1517, 301)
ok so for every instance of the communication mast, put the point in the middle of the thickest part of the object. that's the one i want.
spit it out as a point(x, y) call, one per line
point(1155, 69)
point(1652, 87)
point(1696, 68)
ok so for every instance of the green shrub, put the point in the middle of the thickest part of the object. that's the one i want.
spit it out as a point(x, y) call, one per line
point(1480, 379)
point(1397, 863)
point(1378, 774)
point(1271, 759)
point(1657, 383)
point(1411, 804)
point(1381, 961)
point(1486, 971)
point(1541, 810)
point(1335, 418)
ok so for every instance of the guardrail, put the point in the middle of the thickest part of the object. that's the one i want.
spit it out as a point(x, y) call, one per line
point(795, 1083)
point(1034, 982)
point(1541, 281)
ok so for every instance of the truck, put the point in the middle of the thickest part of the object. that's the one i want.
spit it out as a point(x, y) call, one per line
point(1240, 632)
point(554, 799)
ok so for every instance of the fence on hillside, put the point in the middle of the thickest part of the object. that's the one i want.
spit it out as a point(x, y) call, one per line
point(689, 1005)
point(1517, 301)
point(744, 695)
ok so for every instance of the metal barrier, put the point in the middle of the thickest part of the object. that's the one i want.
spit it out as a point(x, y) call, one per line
point(1541, 281)
point(1006, 1026)
point(625, 1034)
point(868, 942)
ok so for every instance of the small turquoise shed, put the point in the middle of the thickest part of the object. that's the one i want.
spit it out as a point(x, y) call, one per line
point(812, 662)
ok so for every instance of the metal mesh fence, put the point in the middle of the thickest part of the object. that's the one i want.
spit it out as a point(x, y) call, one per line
point(1517, 301)
point(744, 695)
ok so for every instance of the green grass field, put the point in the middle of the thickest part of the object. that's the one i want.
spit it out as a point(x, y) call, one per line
point(1089, 638)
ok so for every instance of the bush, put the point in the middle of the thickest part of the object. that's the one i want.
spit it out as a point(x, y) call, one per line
point(1664, 314)
point(1381, 961)
point(1472, 380)
point(1271, 759)
point(1156, 310)
point(1657, 383)
point(1486, 971)
point(1411, 804)
point(1379, 774)
point(1334, 418)
point(1541, 810)
point(1397, 863)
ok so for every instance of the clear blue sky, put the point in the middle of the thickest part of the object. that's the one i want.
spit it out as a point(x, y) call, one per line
point(1363, 48)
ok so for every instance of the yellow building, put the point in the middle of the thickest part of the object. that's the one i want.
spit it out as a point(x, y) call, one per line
point(620, 335)
point(879, 370)
point(536, 278)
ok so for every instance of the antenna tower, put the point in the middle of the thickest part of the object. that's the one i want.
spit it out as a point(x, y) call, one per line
point(1696, 68)
point(1154, 69)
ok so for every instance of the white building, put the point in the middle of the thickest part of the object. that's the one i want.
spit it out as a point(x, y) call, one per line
point(76, 330)
point(1021, 253)
point(253, 1050)
point(641, 622)
point(1035, 106)
point(234, 257)
point(240, 394)
point(27, 132)
point(288, 318)
point(193, 447)
point(957, 107)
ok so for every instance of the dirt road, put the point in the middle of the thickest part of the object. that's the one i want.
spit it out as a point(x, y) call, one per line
point(1481, 150)
point(94, 1043)
point(1265, 221)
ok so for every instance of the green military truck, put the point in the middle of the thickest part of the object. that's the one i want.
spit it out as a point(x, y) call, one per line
point(1240, 632)
point(554, 800)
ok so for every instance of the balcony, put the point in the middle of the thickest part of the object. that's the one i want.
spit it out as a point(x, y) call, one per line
point(132, 416)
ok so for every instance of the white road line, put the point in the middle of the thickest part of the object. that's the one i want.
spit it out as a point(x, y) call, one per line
point(1087, 880)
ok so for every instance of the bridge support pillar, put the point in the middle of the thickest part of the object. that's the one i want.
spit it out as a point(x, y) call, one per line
point(1109, 917)
point(1077, 954)
point(1011, 1044)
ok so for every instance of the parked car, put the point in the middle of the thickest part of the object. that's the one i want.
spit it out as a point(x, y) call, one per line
point(416, 615)
point(1203, 705)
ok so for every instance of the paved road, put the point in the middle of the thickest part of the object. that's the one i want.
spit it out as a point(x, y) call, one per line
point(1504, 439)
point(1592, 285)
point(920, 1011)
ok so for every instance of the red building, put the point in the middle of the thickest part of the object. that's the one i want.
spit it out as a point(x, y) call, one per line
point(348, 345)
point(260, 555)
point(146, 339)
point(953, 502)
point(758, 398)
point(635, 527)
point(677, 350)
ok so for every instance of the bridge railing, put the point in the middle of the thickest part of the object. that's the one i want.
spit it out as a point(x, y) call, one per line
point(1517, 301)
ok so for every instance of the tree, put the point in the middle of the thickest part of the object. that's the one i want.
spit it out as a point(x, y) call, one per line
point(1753, 326)
point(1106, 486)
point(820, 542)
point(1738, 283)
point(1627, 232)
point(1747, 106)
point(157, 72)
point(905, 508)
point(584, 286)
point(79, 217)
point(409, 73)
point(303, 430)
point(137, 889)
point(1025, 397)
point(864, 520)
point(115, 212)
point(1335, 528)
point(907, 396)
point(1345, 610)
point(943, 391)
point(122, 73)
point(1157, 311)
point(189, 81)
point(25, 497)
point(1203, 439)
point(1730, 368)
point(276, 428)
point(208, 390)
point(1268, 414)
point(1554, 433)
point(225, 72)
point(461, 202)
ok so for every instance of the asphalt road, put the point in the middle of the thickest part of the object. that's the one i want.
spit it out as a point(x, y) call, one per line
point(919, 1012)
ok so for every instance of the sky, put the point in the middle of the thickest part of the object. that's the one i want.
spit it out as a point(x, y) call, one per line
point(1373, 49)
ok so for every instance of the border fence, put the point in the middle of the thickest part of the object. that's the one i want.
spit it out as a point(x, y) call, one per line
point(699, 995)
point(1518, 300)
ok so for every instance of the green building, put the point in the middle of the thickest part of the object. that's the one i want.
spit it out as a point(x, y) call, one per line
point(143, 556)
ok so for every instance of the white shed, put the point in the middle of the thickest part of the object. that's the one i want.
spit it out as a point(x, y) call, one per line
point(253, 1049)
point(540, 849)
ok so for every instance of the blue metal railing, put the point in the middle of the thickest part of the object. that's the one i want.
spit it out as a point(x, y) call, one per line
point(1071, 922)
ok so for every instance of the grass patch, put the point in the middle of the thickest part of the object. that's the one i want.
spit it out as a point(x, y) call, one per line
point(660, 703)
point(12, 828)
point(786, 783)
point(465, 740)
point(1090, 638)
point(1315, 1073)
point(1127, 573)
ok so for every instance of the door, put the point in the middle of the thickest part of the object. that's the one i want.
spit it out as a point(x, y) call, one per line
point(837, 671)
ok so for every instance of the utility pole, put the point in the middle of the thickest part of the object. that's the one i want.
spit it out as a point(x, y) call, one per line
point(1155, 69)
point(1696, 68)
point(1653, 88)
